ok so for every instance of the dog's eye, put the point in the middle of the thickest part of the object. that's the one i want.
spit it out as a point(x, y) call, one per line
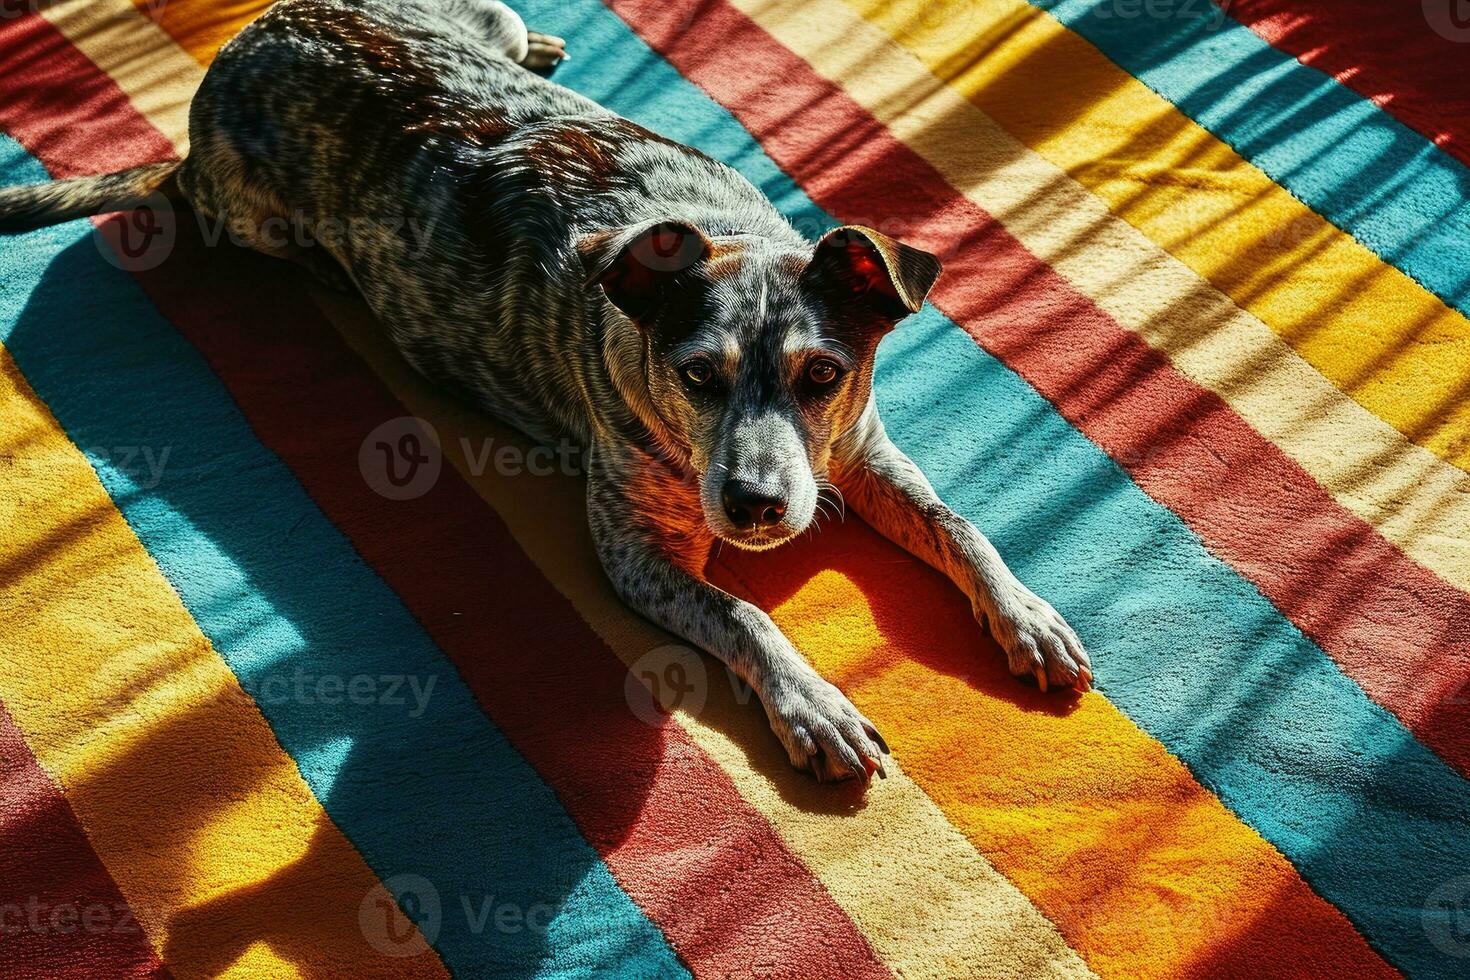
point(822, 371)
point(697, 373)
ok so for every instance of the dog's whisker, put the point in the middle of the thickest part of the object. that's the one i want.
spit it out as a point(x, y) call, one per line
point(836, 499)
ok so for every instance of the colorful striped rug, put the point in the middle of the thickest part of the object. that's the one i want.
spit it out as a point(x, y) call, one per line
point(1199, 364)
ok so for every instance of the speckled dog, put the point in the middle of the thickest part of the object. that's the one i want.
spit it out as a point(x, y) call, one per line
point(579, 276)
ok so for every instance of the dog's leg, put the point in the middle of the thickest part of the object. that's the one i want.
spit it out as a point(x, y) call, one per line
point(885, 487)
point(276, 235)
point(253, 216)
point(505, 30)
point(661, 577)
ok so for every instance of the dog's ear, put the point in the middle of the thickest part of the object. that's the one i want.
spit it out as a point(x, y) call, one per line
point(638, 265)
point(859, 263)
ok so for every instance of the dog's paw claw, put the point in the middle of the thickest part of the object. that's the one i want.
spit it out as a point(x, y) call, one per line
point(822, 732)
point(1038, 643)
point(877, 738)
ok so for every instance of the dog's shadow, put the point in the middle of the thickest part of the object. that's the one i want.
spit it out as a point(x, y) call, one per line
point(912, 610)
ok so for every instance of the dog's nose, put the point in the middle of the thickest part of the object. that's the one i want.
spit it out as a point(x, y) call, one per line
point(750, 507)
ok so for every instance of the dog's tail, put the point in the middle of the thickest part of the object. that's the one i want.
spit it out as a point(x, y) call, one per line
point(37, 205)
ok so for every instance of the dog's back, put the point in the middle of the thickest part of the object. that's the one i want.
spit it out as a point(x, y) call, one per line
point(451, 183)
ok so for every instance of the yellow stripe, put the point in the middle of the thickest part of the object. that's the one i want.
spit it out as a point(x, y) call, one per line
point(928, 902)
point(202, 819)
point(1370, 329)
point(1416, 500)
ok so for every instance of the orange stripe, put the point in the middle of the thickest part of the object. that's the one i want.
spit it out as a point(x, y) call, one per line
point(202, 26)
point(1145, 872)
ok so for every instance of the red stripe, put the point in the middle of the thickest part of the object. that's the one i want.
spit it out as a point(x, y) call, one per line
point(1411, 58)
point(706, 867)
point(1393, 626)
point(53, 96)
point(61, 914)
point(47, 865)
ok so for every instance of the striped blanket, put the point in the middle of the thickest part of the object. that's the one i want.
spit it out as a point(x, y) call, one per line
point(1198, 364)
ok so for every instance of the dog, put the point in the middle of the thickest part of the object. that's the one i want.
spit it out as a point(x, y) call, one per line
point(581, 277)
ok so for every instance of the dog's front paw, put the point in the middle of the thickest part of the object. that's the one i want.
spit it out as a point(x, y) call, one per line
point(1038, 642)
point(822, 731)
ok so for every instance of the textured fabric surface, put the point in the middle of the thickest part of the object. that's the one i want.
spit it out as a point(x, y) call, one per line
point(1197, 365)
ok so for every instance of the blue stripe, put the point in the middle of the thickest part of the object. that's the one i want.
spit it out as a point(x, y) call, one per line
point(437, 793)
point(1350, 161)
point(1186, 647)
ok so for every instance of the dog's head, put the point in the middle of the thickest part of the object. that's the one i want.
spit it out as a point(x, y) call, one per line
point(756, 355)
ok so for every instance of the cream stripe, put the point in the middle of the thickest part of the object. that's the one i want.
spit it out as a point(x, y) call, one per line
point(928, 902)
point(154, 73)
point(1415, 499)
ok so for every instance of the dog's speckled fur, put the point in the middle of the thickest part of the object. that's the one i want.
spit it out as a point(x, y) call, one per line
point(579, 276)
